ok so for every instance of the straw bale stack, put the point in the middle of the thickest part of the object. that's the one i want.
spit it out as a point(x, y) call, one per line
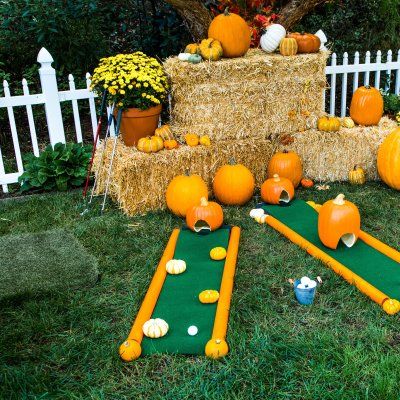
point(256, 96)
point(329, 156)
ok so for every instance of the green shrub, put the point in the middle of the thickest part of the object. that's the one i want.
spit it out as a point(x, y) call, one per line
point(60, 168)
point(391, 103)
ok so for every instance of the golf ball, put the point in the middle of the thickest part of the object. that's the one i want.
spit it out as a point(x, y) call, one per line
point(192, 330)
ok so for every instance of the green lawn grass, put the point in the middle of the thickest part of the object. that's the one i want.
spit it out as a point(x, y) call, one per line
point(65, 345)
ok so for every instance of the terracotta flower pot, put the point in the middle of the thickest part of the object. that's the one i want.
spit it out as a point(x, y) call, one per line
point(137, 123)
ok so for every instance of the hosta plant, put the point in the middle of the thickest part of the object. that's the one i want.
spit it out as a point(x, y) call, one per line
point(61, 168)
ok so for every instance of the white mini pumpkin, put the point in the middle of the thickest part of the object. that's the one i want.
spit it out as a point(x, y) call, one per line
point(175, 267)
point(155, 328)
point(272, 37)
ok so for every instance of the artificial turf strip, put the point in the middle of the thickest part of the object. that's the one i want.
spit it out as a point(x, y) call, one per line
point(178, 303)
point(376, 268)
point(33, 263)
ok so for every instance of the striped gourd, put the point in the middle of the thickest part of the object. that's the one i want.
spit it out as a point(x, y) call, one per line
point(288, 47)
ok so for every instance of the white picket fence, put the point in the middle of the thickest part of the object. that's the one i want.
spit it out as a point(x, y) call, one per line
point(52, 98)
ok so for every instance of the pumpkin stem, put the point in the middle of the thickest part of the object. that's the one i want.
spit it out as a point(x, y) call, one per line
point(226, 11)
point(355, 167)
point(187, 172)
point(367, 87)
point(218, 341)
point(276, 177)
point(203, 202)
point(232, 161)
point(339, 200)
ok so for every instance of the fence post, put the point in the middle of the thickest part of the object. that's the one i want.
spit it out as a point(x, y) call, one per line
point(48, 82)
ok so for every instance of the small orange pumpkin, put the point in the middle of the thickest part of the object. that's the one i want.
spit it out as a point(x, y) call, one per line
point(208, 215)
point(170, 144)
point(286, 164)
point(233, 184)
point(389, 160)
point(191, 139)
point(217, 348)
point(338, 219)
point(391, 306)
point(205, 140)
point(307, 183)
point(150, 144)
point(277, 190)
point(232, 31)
point(209, 296)
point(306, 42)
point(366, 107)
point(192, 48)
point(184, 192)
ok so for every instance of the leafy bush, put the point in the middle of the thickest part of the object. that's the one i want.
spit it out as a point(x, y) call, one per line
point(391, 103)
point(60, 168)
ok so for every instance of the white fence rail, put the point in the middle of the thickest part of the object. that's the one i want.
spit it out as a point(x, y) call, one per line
point(386, 76)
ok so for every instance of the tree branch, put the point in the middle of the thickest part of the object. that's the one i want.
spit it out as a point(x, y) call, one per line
point(295, 10)
point(195, 16)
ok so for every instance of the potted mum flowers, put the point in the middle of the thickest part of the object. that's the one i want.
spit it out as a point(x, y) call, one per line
point(137, 84)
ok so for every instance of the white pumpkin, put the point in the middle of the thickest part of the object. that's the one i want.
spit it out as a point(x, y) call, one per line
point(272, 37)
point(256, 212)
point(175, 267)
point(155, 328)
point(184, 56)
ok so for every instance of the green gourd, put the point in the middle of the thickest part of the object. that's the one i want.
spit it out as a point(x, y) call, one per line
point(194, 58)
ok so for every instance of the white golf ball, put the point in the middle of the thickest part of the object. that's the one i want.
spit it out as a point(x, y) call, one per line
point(192, 330)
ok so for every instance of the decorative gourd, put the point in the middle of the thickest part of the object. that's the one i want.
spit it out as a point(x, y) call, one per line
point(307, 183)
point(194, 58)
point(389, 160)
point(175, 267)
point(170, 144)
point(205, 140)
point(232, 31)
point(191, 139)
point(286, 164)
point(150, 144)
point(233, 184)
point(338, 219)
point(211, 49)
point(164, 132)
point(273, 35)
point(130, 350)
point(208, 215)
point(277, 190)
point(328, 124)
point(209, 296)
point(366, 107)
point(183, 56)
point(288, 47)
point(391, 306)
point(216, 348)
point(155, 328)
point(306, 42)
point(184, 192)
point(348, 123)
point(218, 253)
point(357, 176)
point(192, 48)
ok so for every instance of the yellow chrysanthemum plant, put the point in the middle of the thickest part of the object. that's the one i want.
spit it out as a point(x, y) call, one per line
point(132, 81)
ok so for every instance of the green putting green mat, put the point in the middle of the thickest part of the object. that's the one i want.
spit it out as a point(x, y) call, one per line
point(45, 261)
point(178, 302)
point(376, 268)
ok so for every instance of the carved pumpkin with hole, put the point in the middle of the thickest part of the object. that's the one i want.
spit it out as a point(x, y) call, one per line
point(277, 190)
point(232, 31)
point(286, 164)
point(366, 107)
point(389, 160)
point(184, 192)
point(338, 220)
point(233, 184)
point(207, 216)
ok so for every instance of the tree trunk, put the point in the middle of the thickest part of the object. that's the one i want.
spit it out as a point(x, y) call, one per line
point(295, 10)
point(195, 16)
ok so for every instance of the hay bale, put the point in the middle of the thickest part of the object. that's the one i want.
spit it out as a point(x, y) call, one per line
point(329, 156)
point(256, 96)
point(139, 181)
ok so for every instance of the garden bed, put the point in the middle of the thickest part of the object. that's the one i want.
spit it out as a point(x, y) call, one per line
point(259, 95)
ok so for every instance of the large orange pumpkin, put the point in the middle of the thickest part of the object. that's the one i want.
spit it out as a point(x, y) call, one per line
point(366, 107)
point(233, 184)
point(207, 215)
point(306, 42)
point(277, 190)
point(184, 192)
point(286, 164)
point(389, 160)
point(232, 32)
point(338, 219)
